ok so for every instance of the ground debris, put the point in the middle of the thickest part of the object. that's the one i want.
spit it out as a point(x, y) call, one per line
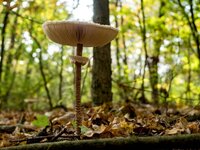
point(117, 120)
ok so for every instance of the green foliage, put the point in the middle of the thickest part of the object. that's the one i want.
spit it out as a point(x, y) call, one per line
point(73, 124)
point(84, 129)
point(41, 121)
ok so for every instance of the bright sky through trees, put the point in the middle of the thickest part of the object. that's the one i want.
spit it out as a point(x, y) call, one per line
point(81, 10)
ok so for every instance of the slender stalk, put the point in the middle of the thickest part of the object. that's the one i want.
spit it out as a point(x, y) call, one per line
point(78, 90)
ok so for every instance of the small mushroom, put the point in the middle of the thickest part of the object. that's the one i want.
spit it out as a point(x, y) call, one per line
point(79, 59)
point(79, 34)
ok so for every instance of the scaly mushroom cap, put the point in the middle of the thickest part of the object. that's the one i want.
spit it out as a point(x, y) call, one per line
point(76, 32)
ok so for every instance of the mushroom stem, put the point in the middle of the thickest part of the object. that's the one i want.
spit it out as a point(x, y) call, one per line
point(78, 90)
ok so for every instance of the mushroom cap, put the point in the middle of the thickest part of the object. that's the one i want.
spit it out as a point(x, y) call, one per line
point(77, 32)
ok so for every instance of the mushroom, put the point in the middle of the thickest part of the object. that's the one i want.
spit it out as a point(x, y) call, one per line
point(79, 34)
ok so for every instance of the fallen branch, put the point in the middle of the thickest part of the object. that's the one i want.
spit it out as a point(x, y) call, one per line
point(7, 129)
point(189, 141)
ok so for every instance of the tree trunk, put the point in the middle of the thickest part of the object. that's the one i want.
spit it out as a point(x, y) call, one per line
point(143, 34)
point(117, 43)
point(101, 71)
point(3, 34)
point(154, 59)
point(42, 72)
point(9, 76)
point(61, 74)
point(45, 80)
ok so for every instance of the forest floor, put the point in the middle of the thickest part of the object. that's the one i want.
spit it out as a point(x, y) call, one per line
point(106, 121)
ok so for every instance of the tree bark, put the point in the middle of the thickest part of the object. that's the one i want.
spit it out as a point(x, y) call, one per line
point(3, 34)
point(117, 42)
point(61, 74)
point(154, 59)
point(101, 71)
point(143, 34)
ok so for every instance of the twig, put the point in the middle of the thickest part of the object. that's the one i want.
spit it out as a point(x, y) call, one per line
point(27, 17)
point(58, 135)
point(77, 4)
point(31, 139)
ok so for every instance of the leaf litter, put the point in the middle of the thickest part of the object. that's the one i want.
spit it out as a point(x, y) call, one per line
point(105, 121)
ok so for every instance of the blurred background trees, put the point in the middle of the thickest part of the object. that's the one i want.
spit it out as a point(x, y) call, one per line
point(154, 59)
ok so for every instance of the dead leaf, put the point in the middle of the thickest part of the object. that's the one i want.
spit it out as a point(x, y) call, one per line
point(69, 116)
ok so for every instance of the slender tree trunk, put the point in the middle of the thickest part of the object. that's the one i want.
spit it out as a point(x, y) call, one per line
point(123, 40)
point(117, 43)
point(61, 74)
point(193, 27)
point(42, 72)
point(188, 89)
point(189, 78)
point(124, 48)
point(45, 80)
point(192, 24)
point(10, 86)
point(8, 78)
point(152, 61)
point(143, 31)
point(3, 34)
point(26, 86)
point(153, 73)
point(101, 71)
point(196, 34)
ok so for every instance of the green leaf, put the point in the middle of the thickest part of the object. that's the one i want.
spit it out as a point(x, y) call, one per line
point(84, 129)
point(73, 124)
point(41, 121)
